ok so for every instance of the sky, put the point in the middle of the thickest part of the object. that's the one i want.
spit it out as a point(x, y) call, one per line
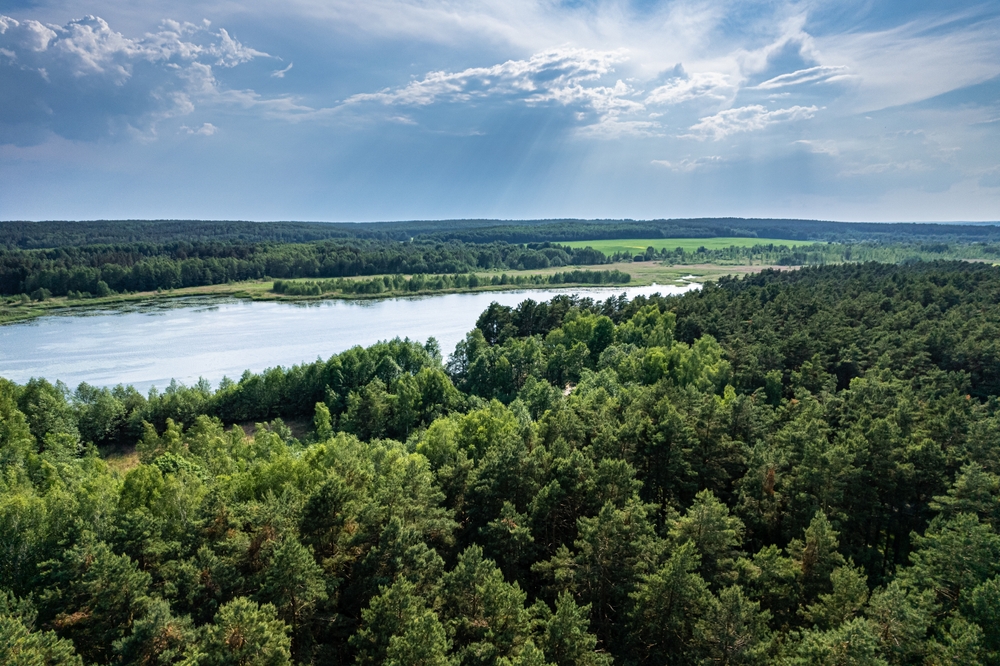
point(348, 110)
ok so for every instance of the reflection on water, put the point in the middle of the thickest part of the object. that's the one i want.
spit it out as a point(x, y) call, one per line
point(148, 344)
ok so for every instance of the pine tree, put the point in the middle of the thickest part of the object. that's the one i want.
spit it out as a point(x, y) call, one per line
point(715, 534)
point(244, 634)
point(423, 643)
point(566, 640)
point(665, 608)
point(484, 615)
point(850, 592)
point(733, 631)
point(397, 614)
point(294, 583)
point(816, 556)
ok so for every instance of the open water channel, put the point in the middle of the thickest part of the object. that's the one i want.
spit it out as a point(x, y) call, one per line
point(185, 339)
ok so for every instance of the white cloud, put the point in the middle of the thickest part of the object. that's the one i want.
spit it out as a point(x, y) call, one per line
point(207, 129)
point(612, 94)
point(84, 80)
point(657, 34)
point(689, 164)
point(611, 127)
point(788, 35)
point(202, 85)
point(230, 52)
point(710, 85)
point(920, 59)
point(747, 119)
point(567, 77)
point(88, 46)
point(808, 75)
point(931, 50)
point(558, 75)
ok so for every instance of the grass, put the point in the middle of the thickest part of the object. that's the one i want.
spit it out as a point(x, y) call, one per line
point(639, 245)
point(121, 460)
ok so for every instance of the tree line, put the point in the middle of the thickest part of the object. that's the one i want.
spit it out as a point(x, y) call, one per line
point(819, 230)
point(101, 270)
point(421, 283)
point(787, 468)
point(55, 234)
point(815, 254)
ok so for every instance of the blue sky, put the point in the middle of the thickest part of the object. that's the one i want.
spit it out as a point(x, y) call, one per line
point(417, 109)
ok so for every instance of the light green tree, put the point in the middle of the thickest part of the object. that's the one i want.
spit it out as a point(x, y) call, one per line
point(566, 639)
point(244, 634)
point(715, 534)
point(850, 592)
point(397, 619)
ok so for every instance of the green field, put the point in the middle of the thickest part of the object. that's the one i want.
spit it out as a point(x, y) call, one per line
point(639, 245)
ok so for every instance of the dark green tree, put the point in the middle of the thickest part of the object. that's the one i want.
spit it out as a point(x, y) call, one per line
point(566, 640)
point(666, 607)
point(733, 631)
point(484, 616)
point(294, 584)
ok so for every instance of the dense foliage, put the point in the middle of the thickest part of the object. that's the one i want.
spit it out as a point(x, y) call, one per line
point(577, 230)
point(84, 272)
point(101, 270)
point(793, 468)
point(55, 234)
point(388, 284)
point(82, 259)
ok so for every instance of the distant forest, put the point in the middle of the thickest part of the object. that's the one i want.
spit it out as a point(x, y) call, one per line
point(81, 259)
point(797, 468)
point(102, 269)
point(36, 235)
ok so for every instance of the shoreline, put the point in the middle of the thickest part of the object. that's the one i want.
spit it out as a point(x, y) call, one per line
point(642, 274)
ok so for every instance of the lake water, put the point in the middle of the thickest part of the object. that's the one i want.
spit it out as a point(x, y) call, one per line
point(148, 345)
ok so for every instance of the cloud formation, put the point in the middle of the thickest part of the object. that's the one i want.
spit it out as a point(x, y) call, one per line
point(206, 129)
point(689, 164)
point(84, 80)
point(560, 75)
point(700, 85)
point(747, 119)
point(501, 107)
point(809, 75)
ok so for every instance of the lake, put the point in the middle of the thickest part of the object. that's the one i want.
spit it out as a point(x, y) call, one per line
point(184, 339)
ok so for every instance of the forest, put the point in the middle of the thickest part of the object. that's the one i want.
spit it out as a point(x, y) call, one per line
point(796, 468)
point(88, 271)
point(101, 270)
point(54, 234)
point(41, 260)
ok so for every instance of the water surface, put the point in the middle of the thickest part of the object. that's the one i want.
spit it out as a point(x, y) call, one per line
point(185, 339)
